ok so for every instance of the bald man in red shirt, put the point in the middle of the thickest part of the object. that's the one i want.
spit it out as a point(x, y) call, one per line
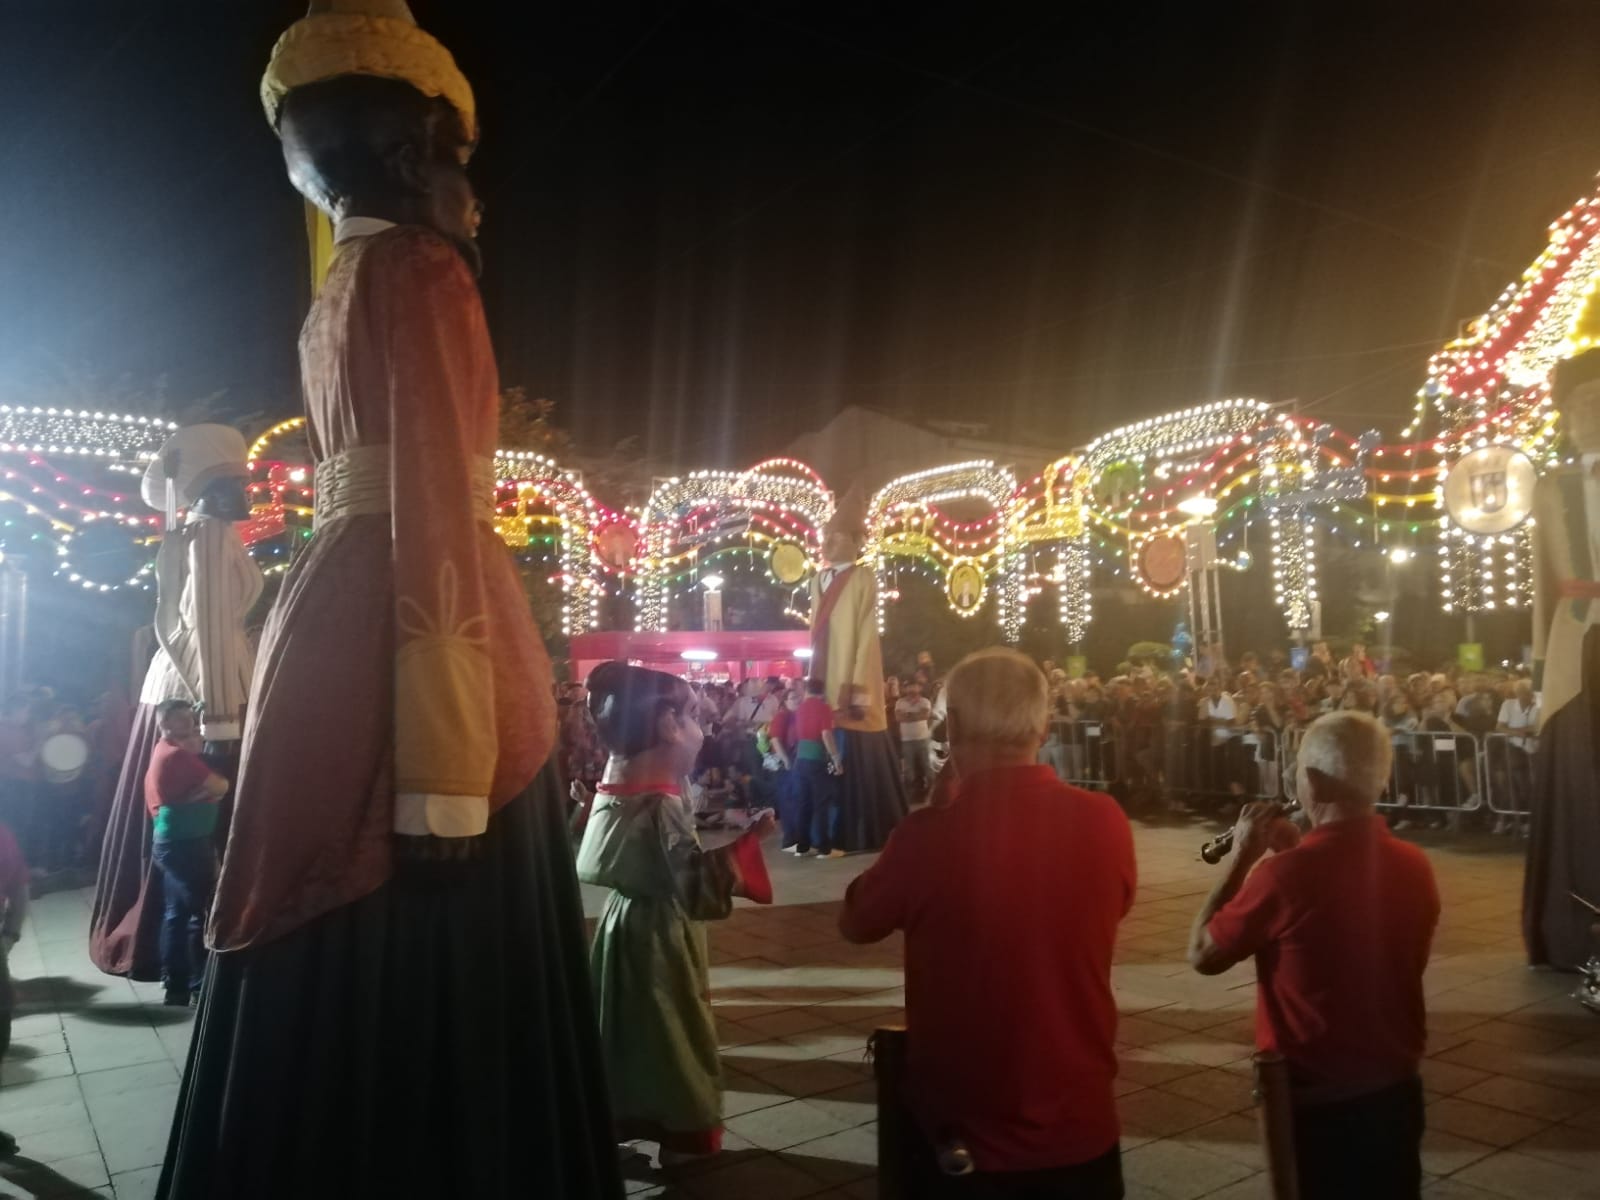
point(1340, 926)
point(1009, 895)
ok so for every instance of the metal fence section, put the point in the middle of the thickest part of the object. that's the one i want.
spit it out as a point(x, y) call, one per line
point(1083, 753)
point(1201, 762)
point(1433, 772)
point(1506, 770)
point(1183, 760)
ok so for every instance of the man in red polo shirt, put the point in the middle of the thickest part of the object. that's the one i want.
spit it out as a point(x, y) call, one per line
point(1009, 896)
point(1340, 926)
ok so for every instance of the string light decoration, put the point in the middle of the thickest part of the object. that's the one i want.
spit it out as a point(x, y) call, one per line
point(1549, 314)
point(1295, 479)
point(777, 499)
point(904, 520)
point(1072, 575)
point(1491, 387)
point(1049, 512)
point(524, 478)
point(1096, 512)
point(53, 504)
point(82, 434)
point(1203, 427)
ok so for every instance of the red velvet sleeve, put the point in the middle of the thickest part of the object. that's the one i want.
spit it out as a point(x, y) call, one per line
point(441, 397)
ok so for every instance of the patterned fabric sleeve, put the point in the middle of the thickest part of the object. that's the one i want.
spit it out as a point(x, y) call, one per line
point(441, 381)
point(218, 603)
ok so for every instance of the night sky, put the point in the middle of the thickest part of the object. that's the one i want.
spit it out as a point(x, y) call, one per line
point(714, 224)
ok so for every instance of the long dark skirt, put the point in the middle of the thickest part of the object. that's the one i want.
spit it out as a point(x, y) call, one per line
point(125, 924)
point(436, 1038)
point(872, 797)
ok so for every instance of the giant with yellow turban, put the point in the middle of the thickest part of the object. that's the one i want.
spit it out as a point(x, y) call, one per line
point(398, 1002)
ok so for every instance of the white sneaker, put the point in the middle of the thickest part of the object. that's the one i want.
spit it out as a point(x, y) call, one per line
point(791, 848)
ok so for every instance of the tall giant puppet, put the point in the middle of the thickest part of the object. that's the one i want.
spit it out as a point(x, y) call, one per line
point(847, 654)
point(398, 1002)
point(1564, 844)
point(206, 583)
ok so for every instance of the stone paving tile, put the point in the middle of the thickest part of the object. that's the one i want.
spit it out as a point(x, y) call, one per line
point(1480, 1122)
point(1179, 1171)
point(1513, 1074)
point(1522, 1176)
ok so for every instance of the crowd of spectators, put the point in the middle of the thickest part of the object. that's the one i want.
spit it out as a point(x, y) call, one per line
point(1200, 736)
point(1204, 734)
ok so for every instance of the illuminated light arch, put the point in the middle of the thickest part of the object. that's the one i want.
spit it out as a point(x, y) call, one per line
point(904, 521)
point(1050, 512)
point(90, 480)
point(1551, 313)
point(709, 507)
point(523, 477)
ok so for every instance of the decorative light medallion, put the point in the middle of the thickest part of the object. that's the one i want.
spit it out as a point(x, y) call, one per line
point(788, 563)
point(1491, 489)
point(1161, 561)
point(965, 586)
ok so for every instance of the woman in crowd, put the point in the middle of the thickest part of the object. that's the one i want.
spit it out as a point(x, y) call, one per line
point(649, 961)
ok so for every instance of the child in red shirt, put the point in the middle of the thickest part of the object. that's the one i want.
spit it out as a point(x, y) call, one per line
point(181, 792)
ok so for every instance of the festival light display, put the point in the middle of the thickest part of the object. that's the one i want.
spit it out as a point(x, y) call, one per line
point(1048, 516)
point(689, 521)
point(1461, 472)
point(905, 520)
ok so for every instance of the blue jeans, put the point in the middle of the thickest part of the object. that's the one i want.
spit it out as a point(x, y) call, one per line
point(815, 805)
point(188, 869)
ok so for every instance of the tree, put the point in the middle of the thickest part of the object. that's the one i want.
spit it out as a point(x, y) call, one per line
point(530, 425)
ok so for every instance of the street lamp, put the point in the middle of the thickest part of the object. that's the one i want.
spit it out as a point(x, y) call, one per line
point(1399, 556)
point(713, 609)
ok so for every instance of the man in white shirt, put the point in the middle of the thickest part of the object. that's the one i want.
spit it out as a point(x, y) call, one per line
point(1221, 715)
point(914, 712)
point(1520, 715)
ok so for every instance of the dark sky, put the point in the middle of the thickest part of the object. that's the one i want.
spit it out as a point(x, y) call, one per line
point(714, 224)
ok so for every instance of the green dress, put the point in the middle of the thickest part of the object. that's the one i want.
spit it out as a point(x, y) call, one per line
point(649, 965)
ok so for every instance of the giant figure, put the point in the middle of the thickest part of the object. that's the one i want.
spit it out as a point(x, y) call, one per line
point(847, 654)
point(1564, 841)
point(398, 1002)
point(206, 584)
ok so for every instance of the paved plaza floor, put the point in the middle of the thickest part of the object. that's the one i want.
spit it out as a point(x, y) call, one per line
point(1513, 1073)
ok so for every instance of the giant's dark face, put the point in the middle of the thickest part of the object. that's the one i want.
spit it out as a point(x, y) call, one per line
point(361, 146)
point(226, 499)
point(450, 205)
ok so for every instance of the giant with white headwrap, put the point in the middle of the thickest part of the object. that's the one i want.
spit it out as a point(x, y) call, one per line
point(206, 584)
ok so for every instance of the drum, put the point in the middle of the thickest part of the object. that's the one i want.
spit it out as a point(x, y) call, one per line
point(62, 757)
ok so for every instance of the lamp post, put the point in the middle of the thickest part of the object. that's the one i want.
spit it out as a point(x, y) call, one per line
point(1397, 557)
point(713, 602)
point(1205, 591)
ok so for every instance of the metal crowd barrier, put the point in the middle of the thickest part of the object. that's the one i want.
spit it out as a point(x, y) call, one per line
point(1432, 772)
point(1506, 769)
point(1198, 764)
point(1083, 753)
point(1094, 754)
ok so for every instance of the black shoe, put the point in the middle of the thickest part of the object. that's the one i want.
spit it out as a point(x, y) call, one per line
point(8, 1145)
point(176, 998)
